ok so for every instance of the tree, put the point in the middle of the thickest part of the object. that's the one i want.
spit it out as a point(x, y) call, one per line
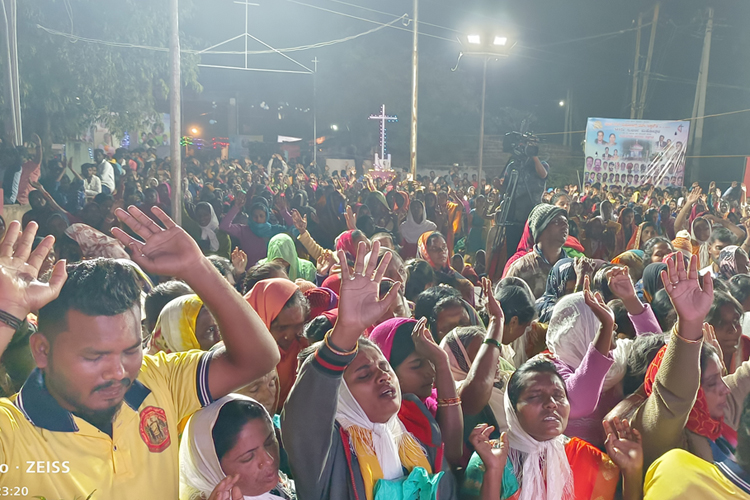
point(66, 85)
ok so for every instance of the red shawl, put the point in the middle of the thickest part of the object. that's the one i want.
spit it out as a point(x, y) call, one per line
point(700, 420)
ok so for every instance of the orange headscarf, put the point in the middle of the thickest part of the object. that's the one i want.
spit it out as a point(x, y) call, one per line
point(700, 420)
point(268, 298)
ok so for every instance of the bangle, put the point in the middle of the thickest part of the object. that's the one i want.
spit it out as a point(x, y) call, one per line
point(442, 403)
point(10, 320)
point(491, 341)
point(330, 345)
point(687, 341)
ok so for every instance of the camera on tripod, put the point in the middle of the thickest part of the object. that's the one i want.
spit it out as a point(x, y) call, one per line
point(521, 146)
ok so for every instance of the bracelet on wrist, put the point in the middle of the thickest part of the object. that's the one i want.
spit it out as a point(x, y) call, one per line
point(10, 320)
point(491, 341)
point(442, 403)
point(675, 333)
point(335, 349)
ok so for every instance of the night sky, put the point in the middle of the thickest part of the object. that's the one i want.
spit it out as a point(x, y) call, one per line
point(559, 47)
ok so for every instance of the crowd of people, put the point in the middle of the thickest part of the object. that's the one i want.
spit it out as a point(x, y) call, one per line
point(318, 334)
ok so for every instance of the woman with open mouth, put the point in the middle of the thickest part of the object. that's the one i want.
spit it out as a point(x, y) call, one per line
point(348, 431)
point(535, 460)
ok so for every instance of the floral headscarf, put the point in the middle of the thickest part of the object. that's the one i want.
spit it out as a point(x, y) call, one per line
point(175, 327)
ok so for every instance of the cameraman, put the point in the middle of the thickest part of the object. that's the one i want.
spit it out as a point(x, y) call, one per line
point(532, 181)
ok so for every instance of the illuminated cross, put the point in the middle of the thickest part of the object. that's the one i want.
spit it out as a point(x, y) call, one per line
point(383, 119)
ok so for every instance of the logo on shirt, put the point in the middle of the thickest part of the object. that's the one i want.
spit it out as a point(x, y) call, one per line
point(154, 429)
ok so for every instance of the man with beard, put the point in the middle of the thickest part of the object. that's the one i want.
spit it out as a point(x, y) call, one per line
point(96, 414)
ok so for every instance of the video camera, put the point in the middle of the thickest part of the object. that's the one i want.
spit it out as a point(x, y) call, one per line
point(521, 145)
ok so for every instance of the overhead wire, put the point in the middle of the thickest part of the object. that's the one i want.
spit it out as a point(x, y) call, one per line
point(76, 38)
point(371, 21)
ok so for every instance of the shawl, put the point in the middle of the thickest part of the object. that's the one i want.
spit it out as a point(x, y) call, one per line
point(562, 272)
point(700, 420)
point(200, 470)
point(382, 450)
point(268, 298)
point(571, 330)
point(546, 471)
point(208, 232)
point(175, 327)
point(282, 247)
point(94, 243)
point(411, 230)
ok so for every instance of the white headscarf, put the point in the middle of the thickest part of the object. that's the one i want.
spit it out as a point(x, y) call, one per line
point(385, 437)
point(703, 256)
point(546, 473)
point(411, 231)
point(571, 330)
point(209, 232)
point(200, 469)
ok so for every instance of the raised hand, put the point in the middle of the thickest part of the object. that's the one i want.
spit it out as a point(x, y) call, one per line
point(494, 454)
point(624, 446)
point(227, 489)
point(351, 220)
point(324, 263)
point(620, 283)
point(583, 267)
point(596, 303)
point(20, 291)
point(360, 305)
point(709, 337)
point(299, 222)
point(493, 307)
point(239, 260)
point(694, 196)
point(167, 252)
point(425, 345)
point(691, 300)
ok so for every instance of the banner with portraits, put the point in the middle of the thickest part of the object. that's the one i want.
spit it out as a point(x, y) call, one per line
point(635, 152)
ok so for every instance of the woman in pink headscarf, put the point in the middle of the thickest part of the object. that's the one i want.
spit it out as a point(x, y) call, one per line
point(423, 369)
point(283, 308)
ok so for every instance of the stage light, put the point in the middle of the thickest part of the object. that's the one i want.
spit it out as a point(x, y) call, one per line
point(501, 40)
point(335, 128)
point(474, 39)
point(562, 103)
point(194, 131)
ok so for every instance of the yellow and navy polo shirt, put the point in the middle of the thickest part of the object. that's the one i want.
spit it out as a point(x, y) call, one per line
point(47, 451)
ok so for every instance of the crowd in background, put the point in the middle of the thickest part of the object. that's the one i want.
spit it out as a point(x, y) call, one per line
point(438, 337)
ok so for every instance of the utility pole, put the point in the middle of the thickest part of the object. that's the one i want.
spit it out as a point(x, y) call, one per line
point(481, 124)
point(12, 93)
point(636, 67)
point(699, 105)
point(647, 71)
point(414, 92)
point(175, 110)
point(566, 135)
point(315, 114)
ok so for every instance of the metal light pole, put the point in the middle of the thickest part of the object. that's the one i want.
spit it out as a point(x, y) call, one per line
point(315, 114)
point(481, 124)
point(488, 47)
point(414, 92)
point(175, 111)
point(13, 94)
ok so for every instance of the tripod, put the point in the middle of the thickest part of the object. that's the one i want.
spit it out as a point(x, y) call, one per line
point(498, 248)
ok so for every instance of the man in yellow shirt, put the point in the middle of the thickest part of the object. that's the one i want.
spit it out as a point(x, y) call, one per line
point(97, 417)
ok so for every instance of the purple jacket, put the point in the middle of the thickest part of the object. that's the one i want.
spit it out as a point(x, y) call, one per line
point(588, 404)
point(254, 246)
